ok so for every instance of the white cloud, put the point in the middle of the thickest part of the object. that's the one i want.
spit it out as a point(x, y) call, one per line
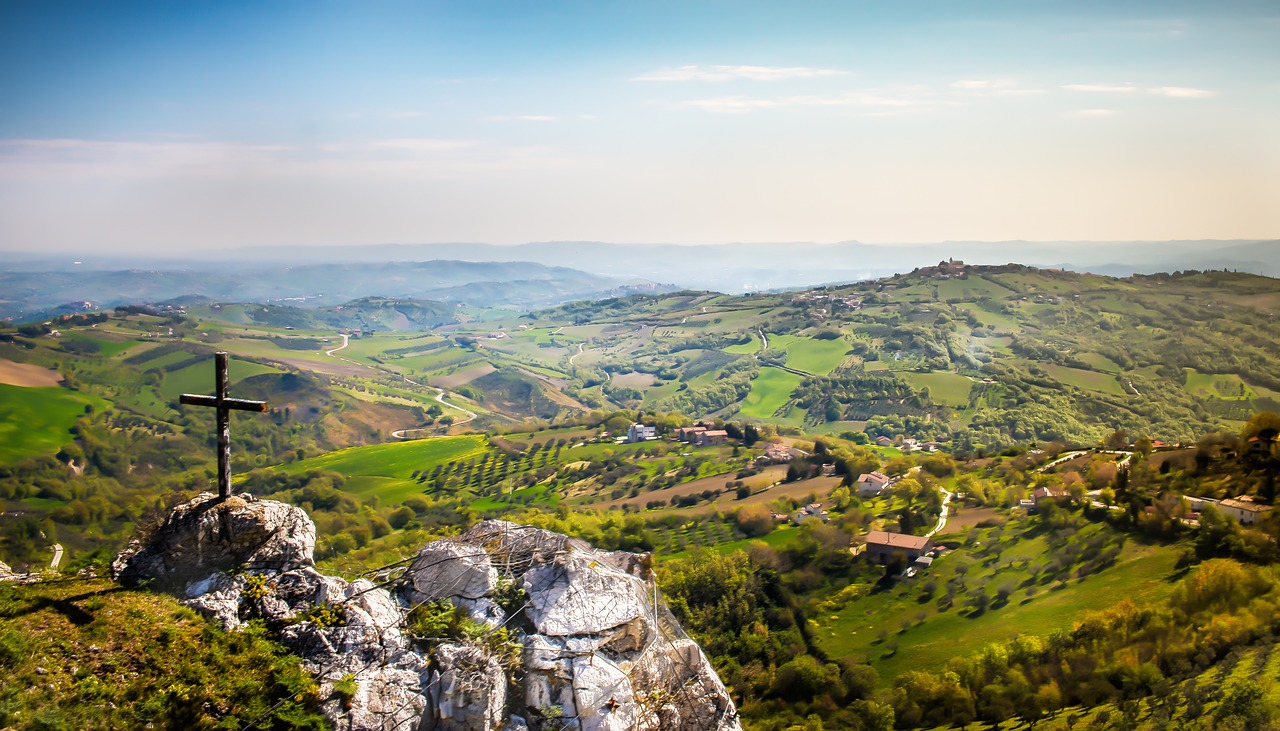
point(1181, 92)
point(1092, 113)
point(1107, 88)
point(992, 87)
point(867, 100)
point(730, 73)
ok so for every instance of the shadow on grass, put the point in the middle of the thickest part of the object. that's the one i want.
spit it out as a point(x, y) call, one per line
point(65, 606)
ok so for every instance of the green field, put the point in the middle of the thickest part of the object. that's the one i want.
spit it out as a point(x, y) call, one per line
point(1101, 362)
point(745, 348)
point(34, 421)
point(1035, 607)
point(819, 357)
point(386, 470)
point(771, 389)
point(948, 389)
point(107, 345)
point(1087, 380)
point(198, 377)
point(1226, 386)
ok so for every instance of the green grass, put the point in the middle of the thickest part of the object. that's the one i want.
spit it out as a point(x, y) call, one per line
point(34, 421)
point(398, 459)
point(948, 389)
point(819, 357)
point(168, 359)
point(1087, 380)
point(1227, 386)
point(107, 346)
point(1142, 573)
point(769, 391)
point(199, 377)
point(65, 646)
point(1101, 362)
point(744, 348)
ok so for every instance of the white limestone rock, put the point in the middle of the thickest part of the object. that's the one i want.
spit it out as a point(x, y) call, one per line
point(471, 692)
point(448, 569)
point(603, 696)
point(578, 595)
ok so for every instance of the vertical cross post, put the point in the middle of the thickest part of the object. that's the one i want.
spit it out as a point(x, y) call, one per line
point(224, 405)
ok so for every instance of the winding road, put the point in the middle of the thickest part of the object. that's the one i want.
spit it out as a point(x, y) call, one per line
point(440, 392)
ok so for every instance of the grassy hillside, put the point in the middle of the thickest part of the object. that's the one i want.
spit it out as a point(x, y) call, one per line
point(87, 654)
point(37, 421)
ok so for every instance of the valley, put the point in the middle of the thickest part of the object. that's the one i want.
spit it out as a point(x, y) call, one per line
point(961, 382)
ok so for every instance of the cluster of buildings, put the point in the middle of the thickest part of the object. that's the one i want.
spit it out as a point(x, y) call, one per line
point(702, 436)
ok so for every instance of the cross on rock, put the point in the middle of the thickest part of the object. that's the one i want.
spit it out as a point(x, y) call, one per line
point(224, 405)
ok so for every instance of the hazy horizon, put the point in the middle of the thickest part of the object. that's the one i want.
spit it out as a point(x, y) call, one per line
point(173, 129)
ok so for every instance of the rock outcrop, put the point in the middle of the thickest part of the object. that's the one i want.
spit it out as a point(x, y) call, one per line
point(548, 632)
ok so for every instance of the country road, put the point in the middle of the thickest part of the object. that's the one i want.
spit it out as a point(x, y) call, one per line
point(575, 355)
point(440, 392)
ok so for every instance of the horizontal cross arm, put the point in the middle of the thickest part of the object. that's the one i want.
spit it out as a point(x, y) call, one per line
point(191, 399)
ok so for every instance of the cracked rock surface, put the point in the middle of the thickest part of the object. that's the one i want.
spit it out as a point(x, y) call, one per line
point(555, 634)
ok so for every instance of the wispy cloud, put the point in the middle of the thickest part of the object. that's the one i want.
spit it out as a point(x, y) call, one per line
point(414, 145)
point(1103, 88)
point(992, 87)
point(36, 159)
point(870, 100)
point(1091, 113)
point(523, 118)
point(1181, 92)
point(731, 73)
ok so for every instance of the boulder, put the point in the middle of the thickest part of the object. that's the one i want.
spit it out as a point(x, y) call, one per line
point(449, 569)
point(204, 536)
point(576, 594)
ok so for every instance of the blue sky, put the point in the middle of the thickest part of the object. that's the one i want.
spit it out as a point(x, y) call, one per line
point(163, 126)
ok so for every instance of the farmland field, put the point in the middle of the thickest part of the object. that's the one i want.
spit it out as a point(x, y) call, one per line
point(27, 374)
point(819, 357)
point(948, 389)
point(198, 377)
point(397, 459)
point(769, 392)
point(1087, 380)
point(34, 421)
point(1223, 386)
point(924, 637)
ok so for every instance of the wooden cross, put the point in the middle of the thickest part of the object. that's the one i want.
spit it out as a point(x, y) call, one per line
point(224, 405)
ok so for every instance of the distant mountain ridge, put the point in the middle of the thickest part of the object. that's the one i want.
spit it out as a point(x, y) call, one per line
point(29, 295)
